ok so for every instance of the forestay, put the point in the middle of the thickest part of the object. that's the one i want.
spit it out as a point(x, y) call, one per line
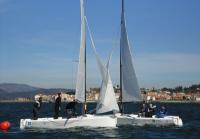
point(130, 87)
point(80, 83)
point(107, 100)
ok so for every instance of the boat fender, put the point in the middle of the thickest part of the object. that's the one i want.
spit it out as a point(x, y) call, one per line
point(5, 125)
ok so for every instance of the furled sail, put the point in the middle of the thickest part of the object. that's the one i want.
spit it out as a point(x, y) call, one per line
point(107, 100)
point(80, 83)
point(130, 87)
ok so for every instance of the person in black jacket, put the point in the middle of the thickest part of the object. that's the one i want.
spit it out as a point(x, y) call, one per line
point(151, 110)
point(71, 108)
point(57, 106)
point(143, 109)
point(36, 107)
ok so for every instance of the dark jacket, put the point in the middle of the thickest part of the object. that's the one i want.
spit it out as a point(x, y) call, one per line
point(37, 105)
point(71, 105)
point(58, 103)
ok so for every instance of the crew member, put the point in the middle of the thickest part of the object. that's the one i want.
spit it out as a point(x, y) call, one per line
point(142, 110)
point(71, 108)
point(57, 106)
point(162, 113)
point(36, 107)
point(151, 110)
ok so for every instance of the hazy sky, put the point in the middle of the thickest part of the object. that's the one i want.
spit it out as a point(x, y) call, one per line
point(39, 41)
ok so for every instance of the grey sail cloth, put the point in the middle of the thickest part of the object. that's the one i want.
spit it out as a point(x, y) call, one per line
point(107, 100)
point(80, 83)
point(130, 87)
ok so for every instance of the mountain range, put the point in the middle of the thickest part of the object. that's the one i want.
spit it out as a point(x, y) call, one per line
point(13, 90)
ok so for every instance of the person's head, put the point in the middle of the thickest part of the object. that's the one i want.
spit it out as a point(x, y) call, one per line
point(59, 94)
point(37, 98)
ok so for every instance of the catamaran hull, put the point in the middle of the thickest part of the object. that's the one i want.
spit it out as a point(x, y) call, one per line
point(63, 123)
point(152, 121)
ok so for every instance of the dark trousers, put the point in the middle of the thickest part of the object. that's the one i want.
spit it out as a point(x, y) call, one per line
point(56, 113)
point(35, 113)
point(70, 113)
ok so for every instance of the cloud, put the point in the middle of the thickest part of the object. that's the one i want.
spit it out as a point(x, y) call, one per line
point(162, 69)
point(168, 63)
point(167, 69)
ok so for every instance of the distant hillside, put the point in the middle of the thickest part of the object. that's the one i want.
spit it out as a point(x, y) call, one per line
point(12, 91)
point(2, 91)
point(17, 88)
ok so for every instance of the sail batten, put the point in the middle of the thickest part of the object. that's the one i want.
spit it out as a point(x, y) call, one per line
point(81, 75)
point(129, 83)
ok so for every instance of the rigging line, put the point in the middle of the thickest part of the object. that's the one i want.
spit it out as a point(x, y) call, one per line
point(93, 45)
point(91, 38)
point(94, 48)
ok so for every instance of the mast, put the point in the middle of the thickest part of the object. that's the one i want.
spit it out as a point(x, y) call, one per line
point(85, 91)
point(85, 104)
point(122, 20)
point(121, 111)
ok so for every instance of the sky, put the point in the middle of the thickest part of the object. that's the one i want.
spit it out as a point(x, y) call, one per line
point(39, 41)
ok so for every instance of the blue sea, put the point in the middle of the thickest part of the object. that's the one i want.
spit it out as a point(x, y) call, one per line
point(189, 112)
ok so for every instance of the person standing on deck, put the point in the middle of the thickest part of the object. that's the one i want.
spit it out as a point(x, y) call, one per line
point(151, 110)
point(143, 110)
point(57, 106)
point(36, 107)
point(71, 109)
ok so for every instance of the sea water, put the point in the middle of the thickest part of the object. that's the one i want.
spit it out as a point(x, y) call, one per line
point(189, 112)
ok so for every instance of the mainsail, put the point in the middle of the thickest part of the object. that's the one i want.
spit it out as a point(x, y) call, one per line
point(129, 83)
point(107, 100)
point(81, 75)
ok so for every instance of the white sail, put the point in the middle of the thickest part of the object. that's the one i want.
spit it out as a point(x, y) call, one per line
point(107, 100)
point(130, 87)
point(80, 83)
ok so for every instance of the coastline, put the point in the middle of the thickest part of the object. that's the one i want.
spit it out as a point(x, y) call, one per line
point(175, 101)
point(159, 101)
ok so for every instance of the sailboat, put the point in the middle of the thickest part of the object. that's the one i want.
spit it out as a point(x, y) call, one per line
point(130, 91)
point(106, 103)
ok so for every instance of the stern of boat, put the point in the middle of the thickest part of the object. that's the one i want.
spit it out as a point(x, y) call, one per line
point(178, 121)
point(22, 123)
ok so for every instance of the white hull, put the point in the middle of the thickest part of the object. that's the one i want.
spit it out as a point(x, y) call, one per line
point(134, 120)
point(96, 121)
point(63, 123)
